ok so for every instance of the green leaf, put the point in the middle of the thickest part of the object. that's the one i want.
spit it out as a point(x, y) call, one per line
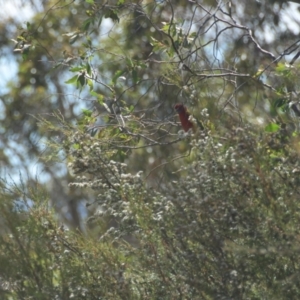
point(81, 81)
point(272, 127)
point(90, 83)
point(89, 40)
point(20, 38)
point(77, 69)
point(87, 112)
point(166, 27)
point(90, 1)
point(72, 80)
point(129, 62)
point(118, 74)
point(135, 76)
point(157, 45)
point(99, 97)
point(173, 31)
point(279, 102)
point(258, 73)
point(88, 69)
point(112, 15)
point(283, 69)
point(171, 52)
point(25, 55)
point(142, 65)
point(100, 21)
point(95, 94)
point(86, 24)
point(76, 146)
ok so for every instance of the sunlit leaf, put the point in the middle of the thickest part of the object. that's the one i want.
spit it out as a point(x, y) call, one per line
point(90, 83)
point(87, 112)
point(272, 127)
point(72, 80)
point(77, 69)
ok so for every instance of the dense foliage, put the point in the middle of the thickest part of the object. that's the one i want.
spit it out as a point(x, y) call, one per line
point(125, 204)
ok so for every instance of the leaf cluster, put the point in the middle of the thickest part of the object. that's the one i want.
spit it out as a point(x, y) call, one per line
point(227, 228)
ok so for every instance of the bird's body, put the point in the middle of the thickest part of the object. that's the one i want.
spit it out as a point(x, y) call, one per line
point(185, 119)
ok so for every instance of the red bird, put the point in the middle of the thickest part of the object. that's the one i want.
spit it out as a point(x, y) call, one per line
point(184, 117)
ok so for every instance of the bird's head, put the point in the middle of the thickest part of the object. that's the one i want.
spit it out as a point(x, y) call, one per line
point(180, 108)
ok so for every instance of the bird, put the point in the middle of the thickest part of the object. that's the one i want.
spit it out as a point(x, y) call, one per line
point(185, 119)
